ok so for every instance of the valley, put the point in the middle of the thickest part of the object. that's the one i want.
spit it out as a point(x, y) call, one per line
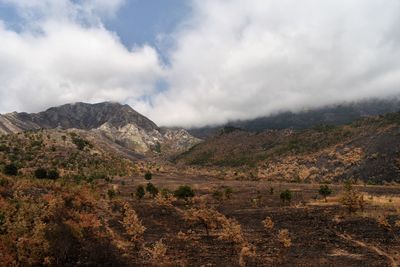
point(117, 190)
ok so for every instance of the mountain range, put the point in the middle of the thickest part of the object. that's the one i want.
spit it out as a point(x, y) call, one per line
point(328, 115)
point(113, 121)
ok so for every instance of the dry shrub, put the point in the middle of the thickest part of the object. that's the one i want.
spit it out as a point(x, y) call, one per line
point(397, 223)
point(231, 231)
point(165, 200)
point(208, 218)
point(352, 199)
point(157, 253)
point(247, 251)
point(284, 238)
point(44, 221)
point(132, 224)
point(268, 224)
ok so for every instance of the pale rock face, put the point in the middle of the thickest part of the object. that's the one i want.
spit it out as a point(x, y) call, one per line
point(137, 139)
point(10, 123)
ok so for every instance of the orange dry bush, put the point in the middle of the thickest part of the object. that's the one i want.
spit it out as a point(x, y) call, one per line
point(268, 224)
point(42, 223)
point(231, 231)
point(208, 218)
point(132, 224)
point(247, 251)
point(158, 253)
point(284, 238)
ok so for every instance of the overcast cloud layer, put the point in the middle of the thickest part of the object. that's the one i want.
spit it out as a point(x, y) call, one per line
point(233, 59)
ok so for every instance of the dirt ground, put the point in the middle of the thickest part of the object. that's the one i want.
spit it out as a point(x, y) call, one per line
point(322, 233)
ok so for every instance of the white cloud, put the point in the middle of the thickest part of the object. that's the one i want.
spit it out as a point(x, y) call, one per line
point(232, 59)
point(240, 59)
point(63, 61)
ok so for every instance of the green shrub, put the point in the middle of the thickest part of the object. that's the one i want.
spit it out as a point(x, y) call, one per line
point(325, 191)
point(152, 189)
point(148, 176)
point(184, 192)
point(140, 192)
point(40, 173)
point(10, 169)
point(80, 143)
point(286, 196)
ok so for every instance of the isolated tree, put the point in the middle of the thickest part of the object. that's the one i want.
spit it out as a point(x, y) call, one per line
point(325, 191)
point(286, 196)
point(10, 169)
point(148, 176)
point(140, 192)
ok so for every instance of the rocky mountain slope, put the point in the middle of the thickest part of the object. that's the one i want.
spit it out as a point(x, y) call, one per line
point(330, 115)
point(119, 123)
point(367, 150)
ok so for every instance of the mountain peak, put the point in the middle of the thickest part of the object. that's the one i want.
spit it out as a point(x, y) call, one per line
point(90, 116)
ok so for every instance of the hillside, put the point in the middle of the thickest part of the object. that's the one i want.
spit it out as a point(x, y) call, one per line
point(367, 150)
point(73, 154)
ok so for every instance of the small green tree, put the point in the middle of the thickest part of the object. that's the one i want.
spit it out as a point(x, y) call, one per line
point(148, 176)
point(325, 191)
point(152, 189)
point(40, 173)
point(286, 196)
point(10, 170)
point(140, 192)
point(184, 192)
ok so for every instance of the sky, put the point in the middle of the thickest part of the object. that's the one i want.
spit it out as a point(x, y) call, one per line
point(193, 63)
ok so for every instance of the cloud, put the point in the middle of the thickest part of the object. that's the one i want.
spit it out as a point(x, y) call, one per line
point(243, 59)
point(63, 60)
point(231, 59)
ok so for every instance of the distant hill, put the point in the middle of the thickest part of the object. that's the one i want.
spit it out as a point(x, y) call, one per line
point(119, 123)
point(367, 150)
point(331, 115)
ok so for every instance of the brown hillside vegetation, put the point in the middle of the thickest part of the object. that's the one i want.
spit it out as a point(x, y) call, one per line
point(367, 150)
